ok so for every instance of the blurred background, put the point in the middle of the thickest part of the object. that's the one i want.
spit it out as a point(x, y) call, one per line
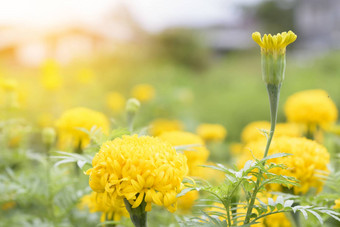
point(190, 60)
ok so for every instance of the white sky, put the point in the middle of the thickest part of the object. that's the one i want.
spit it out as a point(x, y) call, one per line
point(152, 14)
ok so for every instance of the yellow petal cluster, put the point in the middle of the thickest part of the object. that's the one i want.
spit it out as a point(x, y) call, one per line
point(196, 155)
point(115, 101)
point(71, 120)
point(252, 131)
point(307, 159)
point(161, 125)
point(311, 107)
point(275, 44)
point(143, 92)
point(139, 169)
point(110, 209)
point(212, 132)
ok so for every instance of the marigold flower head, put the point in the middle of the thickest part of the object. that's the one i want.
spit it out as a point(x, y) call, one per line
point(212, 132)
point(71, 121)
point(161, 125)
point(275, 44)
point(252, 131)
point(143, 92)
point(195, 155)
point(139, 169)
point(115, 101)
point(111, 209)
point(273, 57)
point(307, 159)
point(312, 108)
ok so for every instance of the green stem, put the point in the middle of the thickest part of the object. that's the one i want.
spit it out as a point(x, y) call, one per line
point(274, 95)
point(130, 121)
point(137, 215)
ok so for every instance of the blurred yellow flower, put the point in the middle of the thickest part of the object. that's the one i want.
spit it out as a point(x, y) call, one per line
point(115, 101)
point(196, 155)
point(143, 92)
point(160, 125)
point(71, 122)
point(139, 169)
point(307, 161)
point(111, 209)
point(312, 108)
point(50, 75)
point(85, 76)
point(337, 204)
point(275, 44)
point(186, 202)
point(252, 131)
point(212, 132)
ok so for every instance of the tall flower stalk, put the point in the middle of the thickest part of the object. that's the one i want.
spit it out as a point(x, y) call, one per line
point(273, 61)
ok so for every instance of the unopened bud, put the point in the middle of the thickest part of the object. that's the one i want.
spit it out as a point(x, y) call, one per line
point(132, 106)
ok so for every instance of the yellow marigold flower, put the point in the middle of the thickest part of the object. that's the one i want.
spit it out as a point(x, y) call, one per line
point(252, 131)
point(111, 209)
point(139, 169)
point(275, 44)
point(212, 132)
point(308, 157)
point(50, 77)
point(186, 202)
point(337, 204)
point(312, 108)
point(164, 125)
point(71, 121)
point(273, 56)
point(115, 101)
point(195, 155)
point(143, 92)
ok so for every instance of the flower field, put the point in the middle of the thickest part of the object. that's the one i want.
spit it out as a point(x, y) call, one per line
point(133, 139)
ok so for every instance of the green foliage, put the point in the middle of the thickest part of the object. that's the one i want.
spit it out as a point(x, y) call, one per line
point(236, 192)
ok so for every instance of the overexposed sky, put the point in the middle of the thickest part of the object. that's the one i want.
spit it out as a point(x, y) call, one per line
point(151, 14)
